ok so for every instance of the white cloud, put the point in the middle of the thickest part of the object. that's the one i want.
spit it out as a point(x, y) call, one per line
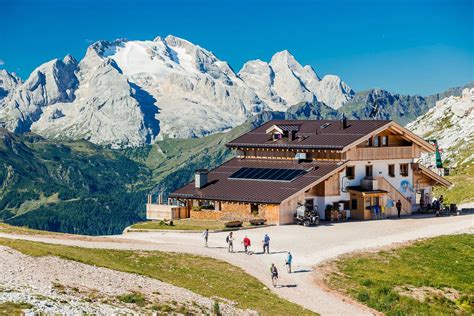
point(2, 62)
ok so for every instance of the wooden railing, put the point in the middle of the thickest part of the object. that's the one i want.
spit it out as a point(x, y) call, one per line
point(374, 153)
point(395, 195)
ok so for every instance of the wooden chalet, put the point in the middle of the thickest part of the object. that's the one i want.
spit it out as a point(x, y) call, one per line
point(360, 168)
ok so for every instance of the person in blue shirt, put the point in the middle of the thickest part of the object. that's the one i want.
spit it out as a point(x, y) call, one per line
point(289, 259)
point(266, 243)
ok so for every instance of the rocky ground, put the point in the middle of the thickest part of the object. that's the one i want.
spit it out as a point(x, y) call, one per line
point(52, 285)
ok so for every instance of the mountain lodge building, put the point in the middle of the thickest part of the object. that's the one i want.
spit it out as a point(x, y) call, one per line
point(358, 167)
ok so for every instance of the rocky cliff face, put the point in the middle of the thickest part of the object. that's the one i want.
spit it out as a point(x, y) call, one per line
point(284, 82)
point(451, 124)
point(8, 83)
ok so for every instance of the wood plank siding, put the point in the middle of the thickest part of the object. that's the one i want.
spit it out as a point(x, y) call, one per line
point(383, 153)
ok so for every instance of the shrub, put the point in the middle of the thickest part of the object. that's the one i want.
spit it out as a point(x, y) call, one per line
point(232, 224)
point(257, 221)
point(133, 298)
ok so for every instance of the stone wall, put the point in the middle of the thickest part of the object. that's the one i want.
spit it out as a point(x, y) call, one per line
point(206, 214)
point(231, 211)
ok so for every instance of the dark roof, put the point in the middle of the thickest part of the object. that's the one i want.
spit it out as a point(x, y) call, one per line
point(220, 187)
point(310, 135)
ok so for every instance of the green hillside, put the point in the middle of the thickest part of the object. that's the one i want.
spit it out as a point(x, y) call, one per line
point(74, 187)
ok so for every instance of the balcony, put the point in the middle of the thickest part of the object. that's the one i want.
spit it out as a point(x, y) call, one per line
point(381, 153)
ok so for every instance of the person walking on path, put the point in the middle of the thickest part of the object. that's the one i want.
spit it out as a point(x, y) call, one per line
point(205, 234)
point(246, 243)
point(289, 259)
point(274, 273)
point(399, 207)
point(266, 243)
point(230, 242)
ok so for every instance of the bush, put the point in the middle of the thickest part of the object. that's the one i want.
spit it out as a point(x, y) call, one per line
point(197, 208)
point(133, 298)
point(232, 224)
point(257, 221)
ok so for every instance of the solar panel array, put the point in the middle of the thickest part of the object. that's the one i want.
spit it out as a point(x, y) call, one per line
point(269, 174)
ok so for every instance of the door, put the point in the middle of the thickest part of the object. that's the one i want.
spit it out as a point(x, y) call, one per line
point(369, 171)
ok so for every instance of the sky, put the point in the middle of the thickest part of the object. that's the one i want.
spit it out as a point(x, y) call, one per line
point(405, 46)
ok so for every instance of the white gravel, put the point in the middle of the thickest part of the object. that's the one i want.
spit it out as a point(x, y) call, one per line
point(309, 246)
point(57, 286)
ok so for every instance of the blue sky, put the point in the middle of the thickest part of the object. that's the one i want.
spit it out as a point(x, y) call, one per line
point(410, 47)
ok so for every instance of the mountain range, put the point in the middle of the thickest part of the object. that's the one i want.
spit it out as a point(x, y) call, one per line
point(131, 93)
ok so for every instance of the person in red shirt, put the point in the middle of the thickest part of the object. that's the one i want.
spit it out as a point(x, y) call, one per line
point(246, 243)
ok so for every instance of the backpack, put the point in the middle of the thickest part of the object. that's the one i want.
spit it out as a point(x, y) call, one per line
point(227, 239)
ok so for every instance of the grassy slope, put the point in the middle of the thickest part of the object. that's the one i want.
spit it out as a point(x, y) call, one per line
point(183, 224)
point(439, 262)
point(173, 161)
point(202, 275)
point(462, 178)
point(9, 308)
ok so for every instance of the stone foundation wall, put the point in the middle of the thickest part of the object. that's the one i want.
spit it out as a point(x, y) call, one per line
point(208, 215)
point(231, 211)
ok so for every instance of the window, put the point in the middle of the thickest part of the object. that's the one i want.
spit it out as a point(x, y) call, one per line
point(384, 140)
point(377, 141)
point(391, 170)
point(404, 169)
point(369, 170)
point(354, 204)
point(254, 209)
point(350, 172)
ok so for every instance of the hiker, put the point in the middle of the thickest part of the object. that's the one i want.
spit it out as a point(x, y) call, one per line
point(289, 259)
point(399, 207)
point(205, 234)
point(266, 243)
point(246, 243)
point(230, 242)
point(274, 273)
point(441, 200)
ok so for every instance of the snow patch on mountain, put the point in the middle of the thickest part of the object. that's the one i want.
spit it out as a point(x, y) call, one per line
point(451, 123)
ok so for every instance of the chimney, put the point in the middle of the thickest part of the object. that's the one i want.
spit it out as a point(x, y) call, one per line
point(200, 178)
point(343, 122)
point(291, 135)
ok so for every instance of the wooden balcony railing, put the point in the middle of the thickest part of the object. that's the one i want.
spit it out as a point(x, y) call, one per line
point(375, 153)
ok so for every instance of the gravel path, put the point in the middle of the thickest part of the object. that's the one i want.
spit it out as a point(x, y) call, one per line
point(309, 246)
point(57, 286)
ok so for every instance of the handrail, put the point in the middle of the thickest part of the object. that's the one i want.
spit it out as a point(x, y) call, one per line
point(395, 194)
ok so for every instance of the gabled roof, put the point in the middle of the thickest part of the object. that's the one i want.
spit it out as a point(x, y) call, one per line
point(220, 187)
point(433, 176)
point(322, 134)
point(310, 134)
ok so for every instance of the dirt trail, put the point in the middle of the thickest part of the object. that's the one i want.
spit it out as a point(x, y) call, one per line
point(309, 246)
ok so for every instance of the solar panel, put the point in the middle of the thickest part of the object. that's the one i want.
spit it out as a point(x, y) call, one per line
point(268, 174)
